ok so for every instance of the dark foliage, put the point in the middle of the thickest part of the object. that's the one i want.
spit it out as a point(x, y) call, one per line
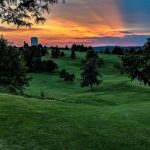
point(107, 51)
point(33, 55)
point(62, 73)
point(66, 48)
point(118, 50)
point(90, 70)
point(73, 54)
point(66, 76)
point(137, 64)
point(69, 77)
point(91, 54)
point(44, 66)
point(12, 67)
point(80, 48)
point(48, 66)
point(90, 74)
point(22, 13)
point(62, 54)
point(55, 53)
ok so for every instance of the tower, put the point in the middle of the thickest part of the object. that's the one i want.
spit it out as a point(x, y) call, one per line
point(34, 41)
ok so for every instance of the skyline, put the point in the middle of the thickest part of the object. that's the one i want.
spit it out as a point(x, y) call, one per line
point(96, 23)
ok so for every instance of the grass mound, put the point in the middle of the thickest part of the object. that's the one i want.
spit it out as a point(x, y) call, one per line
point(115, 116)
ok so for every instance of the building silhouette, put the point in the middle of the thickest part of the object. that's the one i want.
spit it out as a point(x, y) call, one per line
point(34, 41)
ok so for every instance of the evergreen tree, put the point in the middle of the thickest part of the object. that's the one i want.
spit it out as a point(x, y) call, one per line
point(107, 51)
point(91, 54)
point(37, 64)
point(74, 47)
point(66, 48)
point(12, 67)
point(55, 53)
point(49, 66)
point(62, 73)
point(118, 50)
point(90, 71)
point(73, 54)
point(69, 77)
point(66, 76)
point(90, 74)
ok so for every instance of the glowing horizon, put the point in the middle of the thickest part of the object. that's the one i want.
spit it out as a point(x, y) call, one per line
point(95, 23)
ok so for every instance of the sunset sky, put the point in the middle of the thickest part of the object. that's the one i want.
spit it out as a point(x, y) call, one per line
point(90, 22)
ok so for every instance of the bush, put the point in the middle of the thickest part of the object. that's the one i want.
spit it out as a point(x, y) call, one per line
point(49, 66)
point(62, 73)
point(66, 76)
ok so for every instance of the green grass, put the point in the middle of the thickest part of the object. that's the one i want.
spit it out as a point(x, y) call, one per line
point(114, 116)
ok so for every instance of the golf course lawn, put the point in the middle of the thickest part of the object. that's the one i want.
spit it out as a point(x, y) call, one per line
point(113, 116)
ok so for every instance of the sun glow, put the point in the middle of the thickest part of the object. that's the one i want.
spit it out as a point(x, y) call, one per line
point(76, 21)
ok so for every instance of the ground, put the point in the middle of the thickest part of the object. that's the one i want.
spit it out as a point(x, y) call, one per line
point(114, 116)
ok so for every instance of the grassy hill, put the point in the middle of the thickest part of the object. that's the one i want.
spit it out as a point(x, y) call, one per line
point(114, 116)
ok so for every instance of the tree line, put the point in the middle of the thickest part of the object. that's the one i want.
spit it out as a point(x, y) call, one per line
point(16, 63)
point(117, 50)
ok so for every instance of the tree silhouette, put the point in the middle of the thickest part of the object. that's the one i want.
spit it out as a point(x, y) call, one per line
point(137, 65)
point(12, 67)
point(118, 50)
point(90, 69)
point(66, 76)
point(107, 51)
point(69, 77)
point(62, 73)
point(73, 54)
point(90, 74)
point(21, 13)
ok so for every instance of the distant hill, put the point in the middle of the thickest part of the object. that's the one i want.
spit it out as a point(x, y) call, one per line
point(102, 48)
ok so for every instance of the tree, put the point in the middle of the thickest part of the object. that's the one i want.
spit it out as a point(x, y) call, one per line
point(62, 54)
point(69, 77)
point(91, 54)
point(74, 47)
point(73, 54)
point(37, 64)
point(49, 66)
point(90, 71)
point(137, 65)
point(107, 51)
point(90, 74)
point(42, 50)
point(118, 50)
point(66, 47)
point(62, 73)
point(66, 76)
point(80, 48)
point(12, 67)
point(55, 53)
point(23, 12)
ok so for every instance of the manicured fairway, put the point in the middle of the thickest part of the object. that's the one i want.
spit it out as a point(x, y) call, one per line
point(114, 116)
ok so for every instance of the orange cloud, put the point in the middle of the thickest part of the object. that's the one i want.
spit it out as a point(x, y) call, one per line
point(76, 21)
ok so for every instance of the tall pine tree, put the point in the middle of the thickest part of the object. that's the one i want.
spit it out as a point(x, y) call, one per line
point(90, 70)
point(12, 67)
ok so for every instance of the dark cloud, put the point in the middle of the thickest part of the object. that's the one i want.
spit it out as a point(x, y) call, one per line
point(5, 29)
point(128, 40)
point(127, 21)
